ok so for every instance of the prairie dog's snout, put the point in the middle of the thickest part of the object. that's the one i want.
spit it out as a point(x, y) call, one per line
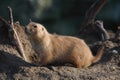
point(26, 30)
point(31, 29)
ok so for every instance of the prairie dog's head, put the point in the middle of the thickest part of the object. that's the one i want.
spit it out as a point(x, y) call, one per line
point(35, 30)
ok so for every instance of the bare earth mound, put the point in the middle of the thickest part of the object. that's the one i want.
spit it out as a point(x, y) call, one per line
point(13, 67)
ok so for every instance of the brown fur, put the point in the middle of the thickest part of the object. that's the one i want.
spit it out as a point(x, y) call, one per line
point(52, 48)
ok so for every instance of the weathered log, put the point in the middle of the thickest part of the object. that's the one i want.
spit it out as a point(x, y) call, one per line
point(91, 13)
point(99, 28)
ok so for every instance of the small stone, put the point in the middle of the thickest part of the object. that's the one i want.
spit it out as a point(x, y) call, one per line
point(115, 51)
point(113, 68)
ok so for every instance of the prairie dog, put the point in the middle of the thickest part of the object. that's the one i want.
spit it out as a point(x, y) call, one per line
point(52, 48)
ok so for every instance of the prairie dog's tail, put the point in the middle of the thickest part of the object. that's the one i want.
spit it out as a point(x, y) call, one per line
point(99, 54)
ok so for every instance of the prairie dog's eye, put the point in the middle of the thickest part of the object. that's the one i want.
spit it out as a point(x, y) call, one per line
point(34, 26)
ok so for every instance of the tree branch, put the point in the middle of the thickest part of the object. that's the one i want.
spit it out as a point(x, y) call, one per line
point(4, 21)
point(15, 35)
point(92, 12)
point(11, 16)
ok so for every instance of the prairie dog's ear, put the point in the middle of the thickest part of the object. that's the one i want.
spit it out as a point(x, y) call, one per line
point(42, 29)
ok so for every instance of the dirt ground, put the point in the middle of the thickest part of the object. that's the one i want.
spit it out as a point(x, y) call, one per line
point(13, 67)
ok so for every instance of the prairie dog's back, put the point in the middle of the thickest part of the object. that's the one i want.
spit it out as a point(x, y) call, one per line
point(67, 45)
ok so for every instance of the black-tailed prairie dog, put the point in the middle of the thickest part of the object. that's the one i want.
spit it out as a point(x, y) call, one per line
point(51, 48)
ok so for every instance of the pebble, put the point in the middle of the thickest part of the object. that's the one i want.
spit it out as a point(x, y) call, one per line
point(115, 51)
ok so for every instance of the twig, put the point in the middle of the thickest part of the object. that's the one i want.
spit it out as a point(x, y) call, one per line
point(11, 16)
point(91, 13)
point(30, 20)
point(15, 35)
point(4, 21)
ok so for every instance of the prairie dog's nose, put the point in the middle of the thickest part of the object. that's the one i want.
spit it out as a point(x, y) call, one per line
point(26, 30)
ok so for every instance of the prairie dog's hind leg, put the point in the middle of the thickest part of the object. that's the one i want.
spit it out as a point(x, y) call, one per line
point(76, 61)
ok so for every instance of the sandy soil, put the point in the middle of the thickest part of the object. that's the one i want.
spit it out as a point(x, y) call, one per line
point(13, 67)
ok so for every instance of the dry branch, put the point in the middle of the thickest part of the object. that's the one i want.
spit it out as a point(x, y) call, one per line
point(11, 16)
point(4, 21)
point(16, 39)
point(91, 13)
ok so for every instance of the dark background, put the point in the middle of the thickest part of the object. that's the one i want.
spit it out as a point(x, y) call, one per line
point(60, 16)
